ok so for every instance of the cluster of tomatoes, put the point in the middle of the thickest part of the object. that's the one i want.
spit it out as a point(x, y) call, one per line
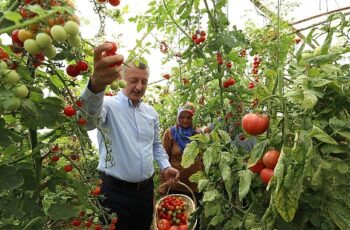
point(74, 70)
point(36, 38)
point(172, 213)
point(199, 36)
point(230, 81)
point(86, 222)
point(265, 166)
point(71, 111)
point(13, 90)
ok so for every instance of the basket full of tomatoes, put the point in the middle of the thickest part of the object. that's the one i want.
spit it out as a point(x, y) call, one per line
point(172, 211)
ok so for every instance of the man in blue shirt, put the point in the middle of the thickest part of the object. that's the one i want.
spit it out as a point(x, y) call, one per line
point(131, 141)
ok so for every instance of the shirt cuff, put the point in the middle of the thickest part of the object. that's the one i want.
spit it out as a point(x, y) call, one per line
point(88, 94)
point(164, 164)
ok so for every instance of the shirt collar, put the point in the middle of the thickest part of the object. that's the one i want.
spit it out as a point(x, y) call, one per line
point(127, 100)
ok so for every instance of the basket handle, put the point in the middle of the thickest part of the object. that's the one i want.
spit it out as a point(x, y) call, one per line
point(184, 185)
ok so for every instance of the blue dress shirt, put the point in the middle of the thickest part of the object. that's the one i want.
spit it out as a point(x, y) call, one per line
point(133, 134)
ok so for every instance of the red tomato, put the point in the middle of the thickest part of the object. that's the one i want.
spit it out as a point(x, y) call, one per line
point(82, 121)
point(69, 111)
point(55, 158)
point(76, 222)
point(163, 224)
point(72, 70)
point(68, 168)
point(114, 2)
point(257, 167)
point(96, 191)
point(266, 175)
point(3, 54)
point(174, 227)
point(183, 227)
point(113, 50)
point(270, 158)
point(82, 66)
point(255, 124)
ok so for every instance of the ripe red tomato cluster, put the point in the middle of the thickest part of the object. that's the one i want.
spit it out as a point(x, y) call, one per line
point(265, 166)
point(199, 36)
point(230, 81)
point(172, 211)
point(255, 124)
point(74, 70)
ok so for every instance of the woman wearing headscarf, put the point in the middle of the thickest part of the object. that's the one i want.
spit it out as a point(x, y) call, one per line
point(175, 140)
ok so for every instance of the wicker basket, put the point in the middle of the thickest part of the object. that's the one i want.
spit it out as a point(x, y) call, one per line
point(192, 204)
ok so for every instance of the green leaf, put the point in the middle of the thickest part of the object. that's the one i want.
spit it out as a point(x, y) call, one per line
point(245, 179)
point(330, 148)
point(345, 134)
point(62, 211)
point(9, 178)
point(336, 123)
point(208, 157)
point(226, 174)
point(36, 223)
point(340, 215)
point(233, 223)
point(320, 135)
point(211, 195)
point(342, 167)
point(202, 184)
point(257, 152)
point(13, 16)
point(316, 82)
point(309, 101)
point(286, 197)
point(190, 154)
point(225, 137)
point(293, 93)
point(202, 138)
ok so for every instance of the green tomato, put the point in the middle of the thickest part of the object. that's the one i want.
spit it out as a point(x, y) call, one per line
point(72, 28)
point(43, 40)
point(122, 84)
point(49, 52)
point(11, 104)
point(114, 85)
point(74, 41)
point(21, 91)
point(3, 67)
point(31, 46)
point(11, 77)
point(58, 33)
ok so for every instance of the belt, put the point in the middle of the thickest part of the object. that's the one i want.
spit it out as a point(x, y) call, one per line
point(125, 184)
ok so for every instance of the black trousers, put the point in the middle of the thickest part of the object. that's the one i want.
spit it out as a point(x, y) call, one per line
point(132, 204)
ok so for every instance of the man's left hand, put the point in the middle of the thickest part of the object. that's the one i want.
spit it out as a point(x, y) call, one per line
point(170, 175)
